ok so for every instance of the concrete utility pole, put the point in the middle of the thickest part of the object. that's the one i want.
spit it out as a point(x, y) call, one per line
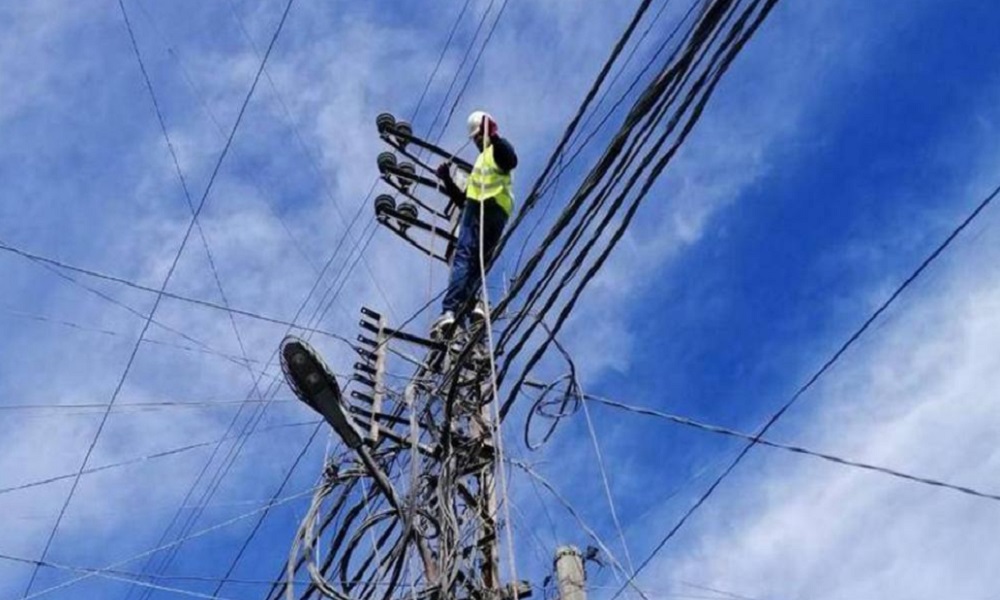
point(570, 575)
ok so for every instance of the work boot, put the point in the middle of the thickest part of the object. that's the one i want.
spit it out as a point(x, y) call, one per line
point(479, 313)
point(442, 325)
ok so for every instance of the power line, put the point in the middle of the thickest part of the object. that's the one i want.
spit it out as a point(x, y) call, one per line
point(173, 296)
point(701, 426)
point(113, 301)
point(437, 65)
point(263, 515)
point(475, 63)
point(148, 457)
point(571, 128)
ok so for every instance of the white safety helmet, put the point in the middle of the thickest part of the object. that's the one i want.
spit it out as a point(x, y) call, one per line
point(476, 120)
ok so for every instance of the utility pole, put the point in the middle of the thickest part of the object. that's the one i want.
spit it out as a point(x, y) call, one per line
point(414, 502)
point(571, 577)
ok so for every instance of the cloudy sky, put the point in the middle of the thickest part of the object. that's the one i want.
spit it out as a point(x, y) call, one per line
point(846, 142)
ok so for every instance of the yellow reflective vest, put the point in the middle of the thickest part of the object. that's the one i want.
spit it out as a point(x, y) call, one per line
point(488, 181)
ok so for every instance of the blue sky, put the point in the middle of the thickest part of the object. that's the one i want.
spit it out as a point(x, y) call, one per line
point(846, 141)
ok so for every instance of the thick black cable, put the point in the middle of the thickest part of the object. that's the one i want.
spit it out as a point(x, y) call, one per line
point(698, 96)
point(522, 278)
point(621, 70)
point(597, 173)
point(571, 128)
point(565, 164)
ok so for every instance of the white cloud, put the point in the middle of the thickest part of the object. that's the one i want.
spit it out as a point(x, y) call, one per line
point(919, 398)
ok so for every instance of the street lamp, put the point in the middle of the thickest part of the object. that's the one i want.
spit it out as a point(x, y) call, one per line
point(313, 383)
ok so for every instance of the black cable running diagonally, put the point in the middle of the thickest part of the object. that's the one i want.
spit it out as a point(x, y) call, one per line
point(166, 281)
point(653, 101)
point(571, 128)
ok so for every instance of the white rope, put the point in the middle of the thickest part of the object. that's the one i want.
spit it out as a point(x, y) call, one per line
point(497, 429)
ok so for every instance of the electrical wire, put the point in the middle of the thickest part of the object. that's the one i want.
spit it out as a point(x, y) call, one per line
point(687, 422)
point(145, 458)
point(196, 301)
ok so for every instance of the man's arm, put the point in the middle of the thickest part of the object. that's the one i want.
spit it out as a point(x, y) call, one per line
point(456, 194)
point(503, 154)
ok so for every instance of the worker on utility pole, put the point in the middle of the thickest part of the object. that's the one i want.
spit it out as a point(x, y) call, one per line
point(486, 203)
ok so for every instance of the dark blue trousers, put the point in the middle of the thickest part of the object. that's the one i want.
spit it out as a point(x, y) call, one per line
point(465, 280)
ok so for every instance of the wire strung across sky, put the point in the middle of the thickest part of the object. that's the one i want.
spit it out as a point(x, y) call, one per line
point(147, 457)
point(171, 295)
point(757, 439)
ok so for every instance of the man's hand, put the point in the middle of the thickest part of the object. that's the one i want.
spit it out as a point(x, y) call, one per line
point(444, 171)
point(488, 128)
